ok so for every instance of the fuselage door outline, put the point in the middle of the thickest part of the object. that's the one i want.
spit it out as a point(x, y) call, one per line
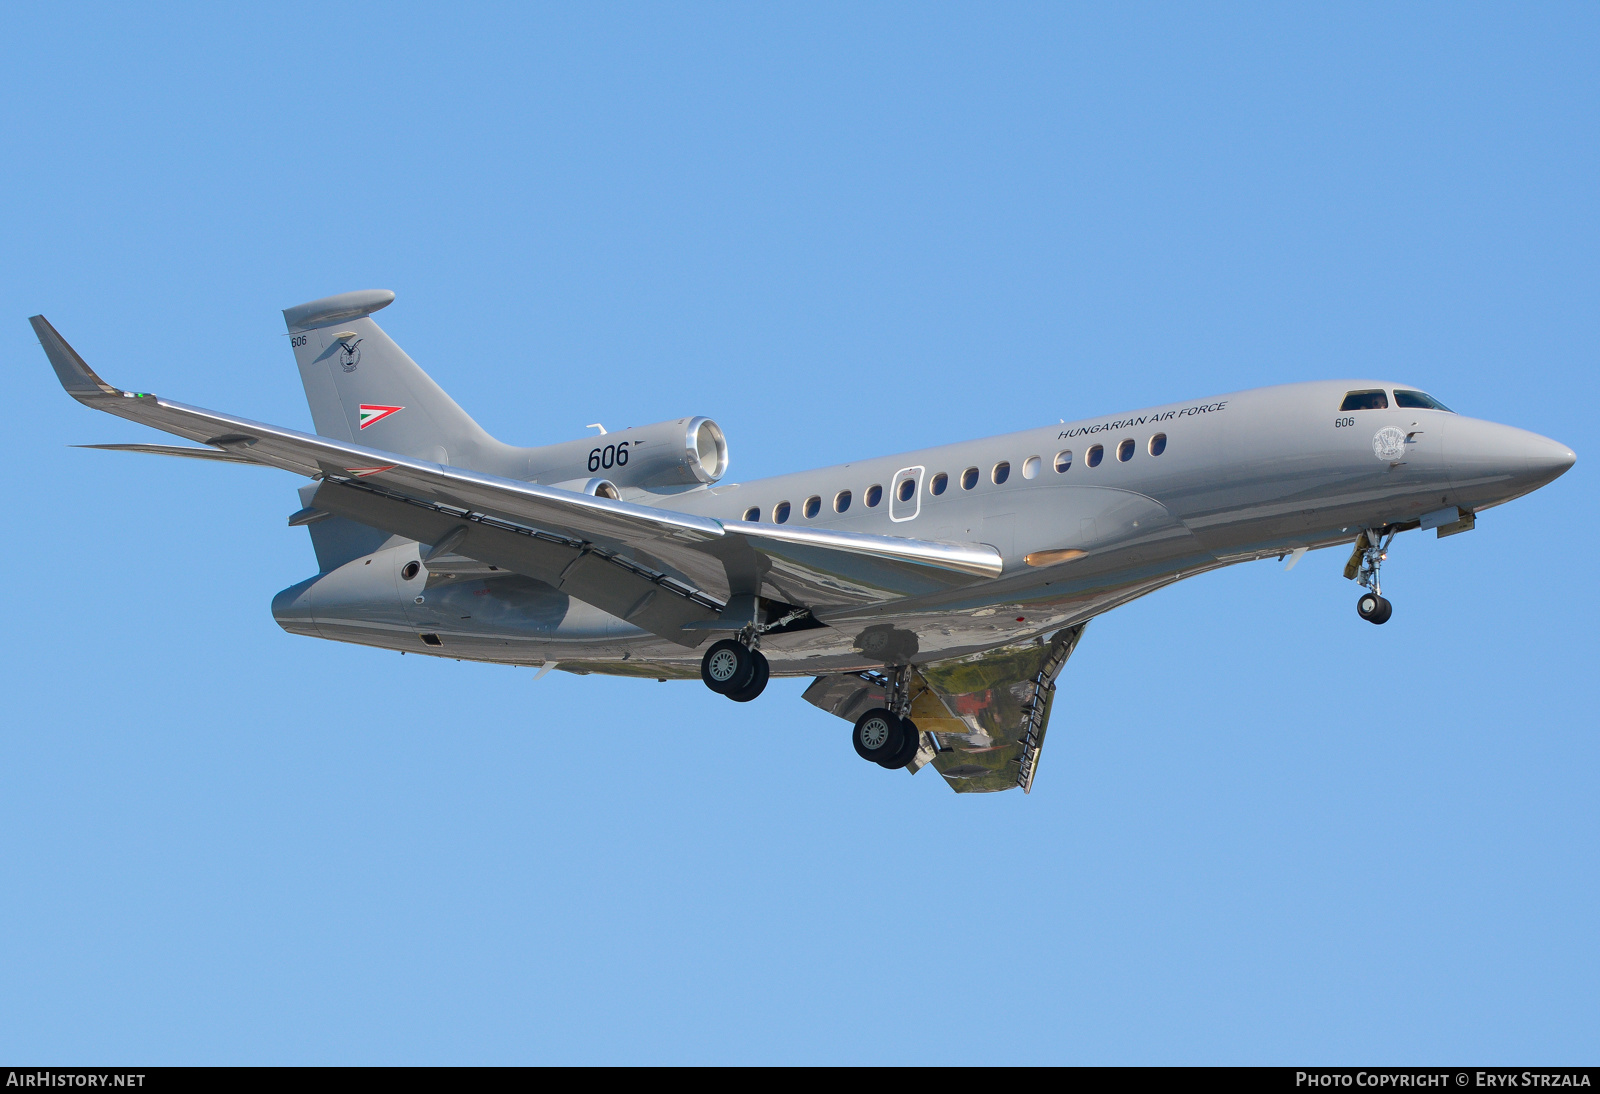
point(900, 511)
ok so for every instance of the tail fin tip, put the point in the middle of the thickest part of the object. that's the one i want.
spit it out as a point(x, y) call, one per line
point(336, 309)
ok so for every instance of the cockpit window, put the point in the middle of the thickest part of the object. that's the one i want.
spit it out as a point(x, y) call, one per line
point(1365, 400)
point(1419, 400)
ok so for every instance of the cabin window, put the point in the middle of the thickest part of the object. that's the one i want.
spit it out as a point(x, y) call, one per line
point(905, 489)
point(1063, 460)
point(1001, 472)
point(780, 513)
point(1095, 455)
point(753, 513)
point(938, 483)
point(1030, 467)
point(1418, 400)
point(812, 507)
point(1125, 450)
point(969, 478)
point(874, 495)
point(1158, 444)
point(1365, 400)
point(841, 501)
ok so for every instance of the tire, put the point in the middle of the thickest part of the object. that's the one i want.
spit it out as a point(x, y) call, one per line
point(911, 740)
point(758, 679)
point(877, 735)
point(727, 666)
point(1374, 608)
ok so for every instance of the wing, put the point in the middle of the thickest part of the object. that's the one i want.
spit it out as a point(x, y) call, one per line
point(985, 715)
point(659, 569)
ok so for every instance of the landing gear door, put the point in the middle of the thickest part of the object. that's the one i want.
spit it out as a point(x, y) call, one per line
point(905, 494)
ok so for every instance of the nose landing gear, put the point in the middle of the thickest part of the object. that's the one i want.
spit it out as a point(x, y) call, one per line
point(1372, 547)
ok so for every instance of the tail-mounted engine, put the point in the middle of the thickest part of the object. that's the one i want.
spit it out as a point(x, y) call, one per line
point(665, 457)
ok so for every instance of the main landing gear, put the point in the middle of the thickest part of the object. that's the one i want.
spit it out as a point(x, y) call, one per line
point(1372, 548)
point(887, 737)
point(735, 668)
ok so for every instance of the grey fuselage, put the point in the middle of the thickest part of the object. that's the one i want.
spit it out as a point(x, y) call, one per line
point(1238, 477)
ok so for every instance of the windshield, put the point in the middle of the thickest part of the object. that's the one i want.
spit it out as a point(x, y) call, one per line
point(1365, 400)
point(1419, 400)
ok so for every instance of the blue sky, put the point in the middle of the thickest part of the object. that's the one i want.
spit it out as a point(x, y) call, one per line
point(1262, 831)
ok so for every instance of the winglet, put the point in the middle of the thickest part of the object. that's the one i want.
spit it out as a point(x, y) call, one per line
point(76, 376)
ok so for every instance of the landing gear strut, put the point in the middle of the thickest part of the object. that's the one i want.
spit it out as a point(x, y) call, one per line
point(1371, 549)
point(885, 735)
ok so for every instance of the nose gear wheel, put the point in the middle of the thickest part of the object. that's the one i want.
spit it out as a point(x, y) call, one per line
point(1374, 608)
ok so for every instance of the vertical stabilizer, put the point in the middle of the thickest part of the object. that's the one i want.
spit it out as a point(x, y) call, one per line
point(363, 388)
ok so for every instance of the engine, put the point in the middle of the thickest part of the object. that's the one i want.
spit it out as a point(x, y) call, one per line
point(664, 457)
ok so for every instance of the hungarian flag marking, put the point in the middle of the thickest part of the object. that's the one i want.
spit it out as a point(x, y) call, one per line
point(370, 414)
point(363, 472)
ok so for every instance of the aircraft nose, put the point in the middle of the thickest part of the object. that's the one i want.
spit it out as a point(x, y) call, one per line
point(1548, 460)
point(1503, 460)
